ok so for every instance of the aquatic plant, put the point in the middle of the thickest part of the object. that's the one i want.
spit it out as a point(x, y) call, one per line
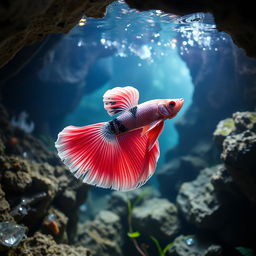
point(133, 235)
point(161, 251)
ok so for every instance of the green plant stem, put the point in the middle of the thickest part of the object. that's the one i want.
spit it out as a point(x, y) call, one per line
point(136, 245)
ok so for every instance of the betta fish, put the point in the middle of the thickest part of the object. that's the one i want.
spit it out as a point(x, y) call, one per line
point(120, 154)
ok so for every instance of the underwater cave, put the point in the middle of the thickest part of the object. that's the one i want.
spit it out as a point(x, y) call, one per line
point(127, 128)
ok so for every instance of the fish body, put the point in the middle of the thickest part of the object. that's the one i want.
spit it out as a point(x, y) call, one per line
point(120, 154)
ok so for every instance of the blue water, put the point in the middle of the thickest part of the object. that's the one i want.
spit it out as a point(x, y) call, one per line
point(142, 57)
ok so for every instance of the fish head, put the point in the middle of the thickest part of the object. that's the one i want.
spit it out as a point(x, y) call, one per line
point(169, 108)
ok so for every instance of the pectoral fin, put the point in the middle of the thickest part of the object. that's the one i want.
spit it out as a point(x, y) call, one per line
point(154, 133)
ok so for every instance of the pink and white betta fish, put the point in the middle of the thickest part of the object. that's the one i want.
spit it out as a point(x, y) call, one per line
point(120, 154)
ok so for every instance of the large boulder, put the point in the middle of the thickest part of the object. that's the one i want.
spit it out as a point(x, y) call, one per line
point(198, 202)
point(156, 217)
point(239, 151)
point(213, 203)
point(25, 22)
point(103, 235)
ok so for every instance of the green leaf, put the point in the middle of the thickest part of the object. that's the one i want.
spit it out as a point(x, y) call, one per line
point(133, 234)
point(160, 251)
point(167, 247)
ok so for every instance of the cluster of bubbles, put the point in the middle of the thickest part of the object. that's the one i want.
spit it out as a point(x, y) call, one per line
point(153, 33)
point(198, 29)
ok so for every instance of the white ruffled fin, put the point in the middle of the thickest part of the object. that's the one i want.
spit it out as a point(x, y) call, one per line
point(120, 98)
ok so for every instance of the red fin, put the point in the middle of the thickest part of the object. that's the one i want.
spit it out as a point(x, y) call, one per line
point(151, 126)
point(120, 98)
point(152, 158)
point(101, 159)
point(154, 133)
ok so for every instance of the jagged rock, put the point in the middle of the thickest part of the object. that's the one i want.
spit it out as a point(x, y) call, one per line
point(103, 236)
point(245, 121)
point(44, 245)
point(25, 22)
point(198, 202)
point(214, 203)
point(156, 217)
point(224, 184)
point(4, 208)
point(195, 246)
point(177, 171)
point(239, 151)
point(32, 186)
point(224, 128)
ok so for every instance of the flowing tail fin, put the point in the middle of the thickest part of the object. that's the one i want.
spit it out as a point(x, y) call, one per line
point(100, 158)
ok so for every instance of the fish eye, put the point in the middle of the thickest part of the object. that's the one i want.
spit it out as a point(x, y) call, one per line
point(172, 104)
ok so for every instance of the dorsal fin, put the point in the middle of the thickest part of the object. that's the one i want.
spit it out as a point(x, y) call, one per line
point(120, 98)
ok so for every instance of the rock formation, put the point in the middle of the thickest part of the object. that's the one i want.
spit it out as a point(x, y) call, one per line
point(103, 235)
point(25, 22)
point(44, 245)
point(239, 151)
point(156, 217)
point(36, 190)
point(224, 88)
point(221, 200)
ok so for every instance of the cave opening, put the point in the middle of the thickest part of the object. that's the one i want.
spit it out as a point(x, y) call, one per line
point(201, 198)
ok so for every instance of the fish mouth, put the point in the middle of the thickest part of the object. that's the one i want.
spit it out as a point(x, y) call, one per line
point(163, 110)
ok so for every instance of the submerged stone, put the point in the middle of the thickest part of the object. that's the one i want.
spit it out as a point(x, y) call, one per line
point(224, 128)
point(11, 234)
point(195, 246)
point(198, 203)
point(157, 217)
